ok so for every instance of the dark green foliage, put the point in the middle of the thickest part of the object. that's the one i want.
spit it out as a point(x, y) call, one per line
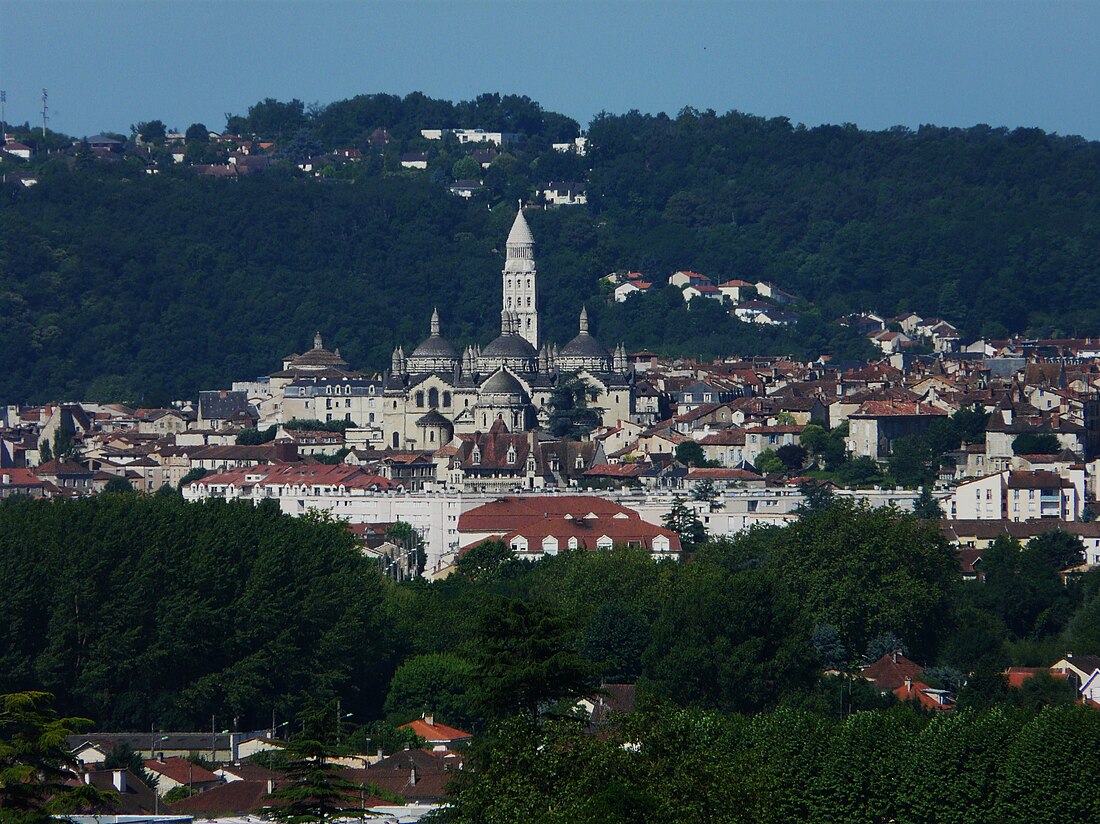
point(35, 762)
point(438, 683)
point(683, 520)
point(1036, 443)
point(193, 475)
point(255, 436)
point(692, 766)
point(926, 506)
point(615, 639)
point(792, 455)
point(312, 789)
point(118, 485)
point(129, 608)
point(523, 661)
point(690, 453)
point(857, 472)
point(483, 560)
point(1060, 549)
point(570, 415)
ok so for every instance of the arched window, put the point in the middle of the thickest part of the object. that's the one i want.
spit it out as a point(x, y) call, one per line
point(419, 400)
point(370, 417)
point(396, 440)
point(528, 302)
point(431, 436)
point(433, 397)
point(447, 400)
point(528, 283)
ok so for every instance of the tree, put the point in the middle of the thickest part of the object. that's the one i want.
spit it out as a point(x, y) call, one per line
point(194, 475)
point(410, 543)
point(690, 453)
point(616, 638)
point(926, 507)
point(313, 790)
point(256, 436)
point(1060, 549)
point(768, 462)
point(152, 131)
point(792, 455)
point(829, 647)
point(970, 423)
point(118, 485)
point(706, 492)
point(911, 461)
point(683, 520)
point(859, 472)
point(570, 415)
point(45, 451)
point(466, 168)
point(35, 761)
point(483, 560)
point(815, 498)
point(814, 439)
point(523, 659)
point(197, 133)
point(1036, 443)
point(438, 683)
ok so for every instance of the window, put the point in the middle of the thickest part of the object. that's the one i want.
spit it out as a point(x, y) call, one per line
point(347, 416)
point(433, 397)
point(447, 400)
point(370, 417)
point(347, 402)
point(419, 400)
point(528, 302)
point(475, 456)
point(396, 440)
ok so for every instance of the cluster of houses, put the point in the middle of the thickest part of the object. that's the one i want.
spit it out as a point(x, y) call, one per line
point(761, 302)
point(188, 776)
point(904, 332)
point(459, 484)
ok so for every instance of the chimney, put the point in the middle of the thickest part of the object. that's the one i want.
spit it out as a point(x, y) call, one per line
point(894, 655)
point(118, 778)
point(908, 685)
point(270, 786)
point(429, 719)
point(380, 756)
point(413, 778)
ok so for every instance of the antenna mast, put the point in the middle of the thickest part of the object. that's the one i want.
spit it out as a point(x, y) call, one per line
point(44, 108)
point(3, 117)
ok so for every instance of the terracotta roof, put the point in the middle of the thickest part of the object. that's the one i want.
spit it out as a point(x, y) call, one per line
point(434, 732)
point(722, 474)
point(890, 671)
point(180, 770)
point(879, 409)
point(1037, 479)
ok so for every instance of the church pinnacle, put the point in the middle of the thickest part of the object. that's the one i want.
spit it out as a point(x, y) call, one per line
point(519, 298)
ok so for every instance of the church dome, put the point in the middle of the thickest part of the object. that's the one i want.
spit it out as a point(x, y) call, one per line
point(435, 352)
point(584, 346)
point(435, 347)
point(503, 383)
point(510, 346)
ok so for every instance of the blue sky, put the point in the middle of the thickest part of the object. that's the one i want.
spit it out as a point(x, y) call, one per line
point(876, 64)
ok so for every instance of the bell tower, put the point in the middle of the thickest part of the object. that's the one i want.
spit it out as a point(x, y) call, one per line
point(520, 294)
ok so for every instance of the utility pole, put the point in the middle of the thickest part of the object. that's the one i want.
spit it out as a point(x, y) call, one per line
point(45, 95)
point(3, 115)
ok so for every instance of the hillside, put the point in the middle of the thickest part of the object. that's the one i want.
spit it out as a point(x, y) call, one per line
point(120, 285)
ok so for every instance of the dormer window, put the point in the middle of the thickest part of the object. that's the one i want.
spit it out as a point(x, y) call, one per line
point(475, 456)
point(511, 454)
point(579, 463)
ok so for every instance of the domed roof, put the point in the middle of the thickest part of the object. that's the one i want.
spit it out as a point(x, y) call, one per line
point(502, 383)
point(433, 418)
point(434, 347)
point(510, 346)
point(318, 356)
point(521, 232)
point(584, 345)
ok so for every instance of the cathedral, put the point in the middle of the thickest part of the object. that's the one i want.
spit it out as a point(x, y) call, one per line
point(434, 392)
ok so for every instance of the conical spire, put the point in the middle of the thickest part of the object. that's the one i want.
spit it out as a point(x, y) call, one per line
point(521, 232)
point(435, 323)
point(584, 320)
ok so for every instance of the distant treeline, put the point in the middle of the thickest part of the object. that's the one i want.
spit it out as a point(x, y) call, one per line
point(119, 285)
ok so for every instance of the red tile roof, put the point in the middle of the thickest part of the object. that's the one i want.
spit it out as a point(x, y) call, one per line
point(181, 770)
point(890, 671)
point(435, 732)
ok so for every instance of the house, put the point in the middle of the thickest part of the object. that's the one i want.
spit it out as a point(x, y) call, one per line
point(547, 524)
point(20, 481)
point(179, 772)
point(891, 671)
point(631, 287)
point(466, 189)
point(438, 735)
point(414, 160)
point(876, 425)
point(684, 279)
point(776, 317)
point(68, 476)
point(564, 193)
point(1083, 671)
point(736, 290)
point(748, 310)
point(926, 697)
point(221, 408)
point(20, 150)
point(1016, 496)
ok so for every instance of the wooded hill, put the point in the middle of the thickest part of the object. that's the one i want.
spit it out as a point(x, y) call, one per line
point(120, 285)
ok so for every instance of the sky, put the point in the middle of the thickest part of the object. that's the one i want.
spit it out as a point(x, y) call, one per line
point(110, 64)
